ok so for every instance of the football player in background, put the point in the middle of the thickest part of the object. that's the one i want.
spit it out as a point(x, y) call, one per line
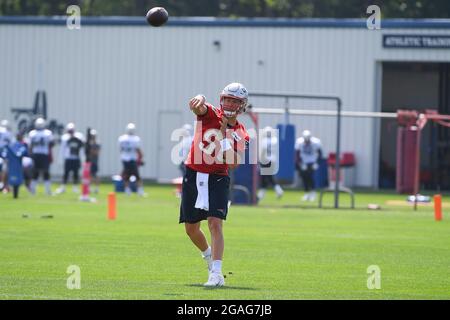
point(6, 138)
point(219, 142)
point(2, 168)
point(40, 142)
point(268, 156)
point(28, 168)
point(93, 153)
point(308, 152)
point(132, 157)
point(186, 144)
point(14, 154)
point(71, 144)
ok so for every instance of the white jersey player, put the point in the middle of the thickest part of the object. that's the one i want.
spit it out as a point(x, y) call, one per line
point(6, 138)
point(131, 157)
point(40, 142)
point(269, 156)
point(308, 152)
point(72, 143)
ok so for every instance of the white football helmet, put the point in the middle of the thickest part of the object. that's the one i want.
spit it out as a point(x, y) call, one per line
point(5, 124)
point(70, 127)
point(131, 128)
point(39, 124)
point(306, 135)
point(236, 91)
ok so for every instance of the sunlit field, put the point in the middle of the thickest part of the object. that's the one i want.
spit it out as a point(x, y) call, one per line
point(281, 249)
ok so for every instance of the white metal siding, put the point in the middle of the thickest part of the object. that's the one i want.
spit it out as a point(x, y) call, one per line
point(107, 76)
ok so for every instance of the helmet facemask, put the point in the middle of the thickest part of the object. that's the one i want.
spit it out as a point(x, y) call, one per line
point(70, 128)
point(237, 92)
point(232, 109)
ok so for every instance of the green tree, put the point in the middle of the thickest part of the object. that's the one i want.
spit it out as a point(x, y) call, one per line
point(235, 8)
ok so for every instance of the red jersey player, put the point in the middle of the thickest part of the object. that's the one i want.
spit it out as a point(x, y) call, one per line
point(219, 142)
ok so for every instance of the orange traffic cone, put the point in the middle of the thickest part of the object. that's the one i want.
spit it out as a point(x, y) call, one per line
point(112, 206)
point(437, 207)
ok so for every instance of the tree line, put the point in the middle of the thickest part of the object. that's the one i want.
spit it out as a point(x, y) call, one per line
point(234, 8)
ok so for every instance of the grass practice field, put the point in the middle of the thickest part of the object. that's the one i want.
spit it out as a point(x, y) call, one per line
point(281, 249)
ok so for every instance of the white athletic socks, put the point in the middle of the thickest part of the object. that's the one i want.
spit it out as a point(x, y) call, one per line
point(47, 185)
point(33, 186)
point(208, 258)
point(217, 266)
point(261, 194)
point(278, 190)
point(207, 252)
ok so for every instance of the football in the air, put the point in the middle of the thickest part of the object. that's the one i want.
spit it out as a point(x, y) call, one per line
point(157, 16)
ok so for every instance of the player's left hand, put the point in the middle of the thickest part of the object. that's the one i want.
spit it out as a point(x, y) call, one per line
point(315, 166)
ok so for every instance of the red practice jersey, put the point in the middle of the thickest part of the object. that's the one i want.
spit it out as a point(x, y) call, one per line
point(205, 154)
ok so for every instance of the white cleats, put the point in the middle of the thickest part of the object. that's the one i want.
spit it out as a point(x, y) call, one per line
point(279, 191)
point(260, 195)
point(215, 280)
point(60, 190)
point(309, 196)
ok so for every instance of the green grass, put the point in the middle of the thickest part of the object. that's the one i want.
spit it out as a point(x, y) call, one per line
point(281, 249)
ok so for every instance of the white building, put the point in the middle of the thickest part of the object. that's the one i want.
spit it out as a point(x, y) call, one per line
point(118, 70)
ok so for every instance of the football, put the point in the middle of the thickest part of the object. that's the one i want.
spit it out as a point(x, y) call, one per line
point(157, 16)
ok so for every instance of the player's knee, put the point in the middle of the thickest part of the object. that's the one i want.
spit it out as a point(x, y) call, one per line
point(191, 229)
point(215, 225)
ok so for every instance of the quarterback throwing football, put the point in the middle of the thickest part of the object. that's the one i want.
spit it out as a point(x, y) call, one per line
point(219, 142)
